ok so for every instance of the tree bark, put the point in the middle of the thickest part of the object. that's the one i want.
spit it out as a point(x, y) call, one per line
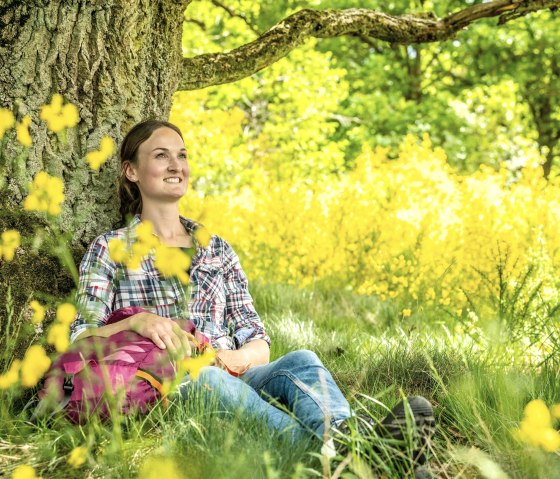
point(119, 61)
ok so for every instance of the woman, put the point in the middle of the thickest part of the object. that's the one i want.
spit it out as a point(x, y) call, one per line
point(154, 177)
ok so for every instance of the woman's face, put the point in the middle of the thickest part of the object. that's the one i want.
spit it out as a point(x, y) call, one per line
point(161, 171)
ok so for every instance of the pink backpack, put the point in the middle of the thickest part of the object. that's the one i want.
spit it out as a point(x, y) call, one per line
point(126, 368)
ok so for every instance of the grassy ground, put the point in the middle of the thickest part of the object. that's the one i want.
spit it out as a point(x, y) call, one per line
point(479, 393)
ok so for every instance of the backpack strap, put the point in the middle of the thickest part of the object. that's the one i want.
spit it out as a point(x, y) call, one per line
point(42, 405)
point(154, 381)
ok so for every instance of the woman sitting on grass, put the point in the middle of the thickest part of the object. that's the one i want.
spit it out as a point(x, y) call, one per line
point(154, 177)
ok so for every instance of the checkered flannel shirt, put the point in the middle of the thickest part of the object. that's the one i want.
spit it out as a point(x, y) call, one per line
point(220, 304)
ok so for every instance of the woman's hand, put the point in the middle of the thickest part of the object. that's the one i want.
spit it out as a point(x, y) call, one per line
point(236, 361)
point(164, 332)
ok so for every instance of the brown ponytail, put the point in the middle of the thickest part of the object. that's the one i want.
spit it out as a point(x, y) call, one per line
point(129, 193)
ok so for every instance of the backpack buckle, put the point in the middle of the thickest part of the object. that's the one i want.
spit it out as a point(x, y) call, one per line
point(68, 384)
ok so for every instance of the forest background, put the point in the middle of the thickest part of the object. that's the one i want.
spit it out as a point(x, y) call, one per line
point(395, 208)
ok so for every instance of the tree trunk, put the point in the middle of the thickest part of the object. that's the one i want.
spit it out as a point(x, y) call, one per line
point(118, 61)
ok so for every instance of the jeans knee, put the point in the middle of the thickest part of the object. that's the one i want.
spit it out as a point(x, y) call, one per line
point(211, 375)
point(303, 357)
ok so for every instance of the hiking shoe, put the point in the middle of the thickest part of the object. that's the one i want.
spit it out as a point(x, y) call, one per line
point(419, 422)
point(412, 418)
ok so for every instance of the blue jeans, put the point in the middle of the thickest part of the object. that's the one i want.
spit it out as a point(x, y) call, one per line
point(295, 394)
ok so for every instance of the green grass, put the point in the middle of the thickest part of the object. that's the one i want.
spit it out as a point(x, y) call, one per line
point(479, 393)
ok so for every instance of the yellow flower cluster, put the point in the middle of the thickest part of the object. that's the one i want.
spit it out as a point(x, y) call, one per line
point(78, 456)
point(59, 116)
point(38, 312)
point(409, 229)
point(172, 262)
point(97, 158)
point(7, 121)
point(9, 241)
point(59, 332)
point(536, 427)
point(194, 365)
point(22, 131)
point(35, 363)
point(168, 260)
point(46, 194)
point(24, 472)
point(11, 376)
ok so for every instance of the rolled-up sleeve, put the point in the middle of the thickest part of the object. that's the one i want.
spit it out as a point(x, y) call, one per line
point(240, 312)
point(96, 289)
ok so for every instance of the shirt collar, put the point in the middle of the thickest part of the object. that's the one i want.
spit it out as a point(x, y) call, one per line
point(190, 225)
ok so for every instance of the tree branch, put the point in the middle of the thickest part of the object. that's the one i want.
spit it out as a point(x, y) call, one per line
point(217, 68)
point(231, 13)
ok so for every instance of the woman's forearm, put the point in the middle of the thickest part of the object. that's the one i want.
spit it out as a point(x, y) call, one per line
point(258, 352)
point(107, 330)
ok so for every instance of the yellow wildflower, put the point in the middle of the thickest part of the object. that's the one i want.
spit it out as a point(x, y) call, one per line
point(158, 467)
point(66, 313)
point(172, 262)
point(140, 249)
point(537, 413)
point(58, 336)
point(536, 427)
point(10, 377)
point(194, 365)
point(78, 456)
point(117, 250)
point(555, 411)
point(7, 121)
point(46, 194)
point(22, 131)
point(59, 116)
point(35, 364)
point(96, 158)
point(38, 312)
point(406, 312)
point(145, 234)
point(9, 241)
point(24, 472)
point(203, 236)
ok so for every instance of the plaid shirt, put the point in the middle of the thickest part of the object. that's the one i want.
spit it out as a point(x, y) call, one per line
point(220, 305)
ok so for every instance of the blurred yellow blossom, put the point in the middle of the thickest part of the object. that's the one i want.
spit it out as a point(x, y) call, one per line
point(38, 312)
point(406, 312)
point(22, 131)
point(203, 236)
point(78, 456)
point(96, 158)
point(7, 121)
point(9, 241)
point(46, 194)
point(35, 364)
point(194, 365)
point(59, 116)
point(145, 234)
point(10, 377)
point(160, 467)
point(172, 261)
point(536, 427)
point(117, 250)
point(66, 313)
point(58, 336)
point(24, 472)
point(555, 411)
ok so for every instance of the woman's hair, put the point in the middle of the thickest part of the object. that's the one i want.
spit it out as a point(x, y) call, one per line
point(129, 193)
